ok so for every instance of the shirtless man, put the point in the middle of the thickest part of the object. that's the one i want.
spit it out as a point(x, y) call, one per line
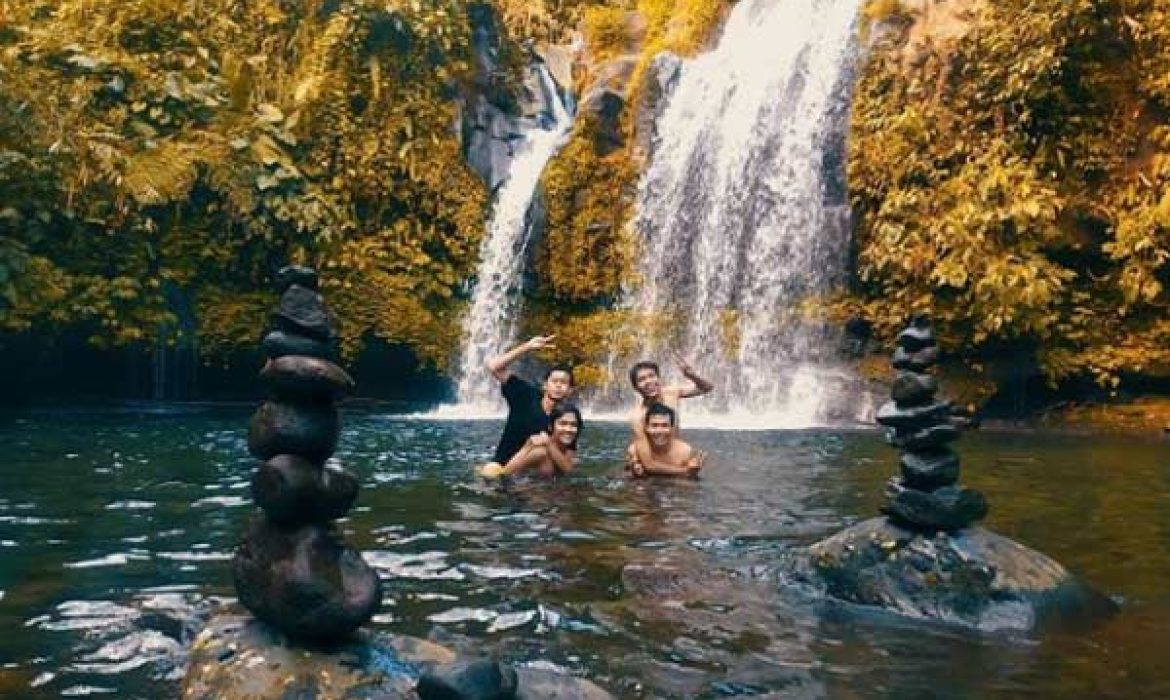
point(646, 380)
point(668, 456)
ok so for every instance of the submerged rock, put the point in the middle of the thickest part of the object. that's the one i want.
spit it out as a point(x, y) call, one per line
point(235, 656)
point(972, 577)
point(479, 679)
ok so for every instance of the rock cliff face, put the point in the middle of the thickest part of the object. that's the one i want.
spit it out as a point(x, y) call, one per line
point(495, 111)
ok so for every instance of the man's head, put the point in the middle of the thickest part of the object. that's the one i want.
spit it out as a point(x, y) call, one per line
point(644, 377)
point(564, 424)
point(659, 423)
point(558, 382)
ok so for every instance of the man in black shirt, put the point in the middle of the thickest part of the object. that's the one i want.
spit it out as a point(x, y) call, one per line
point(528, 406)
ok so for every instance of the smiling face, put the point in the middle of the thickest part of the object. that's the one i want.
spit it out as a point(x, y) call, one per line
point(647, 383)
point(659, 429)
point(558, 385)
point(564, 430)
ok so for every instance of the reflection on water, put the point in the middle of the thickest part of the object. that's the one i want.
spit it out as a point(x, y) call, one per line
point(117, 527)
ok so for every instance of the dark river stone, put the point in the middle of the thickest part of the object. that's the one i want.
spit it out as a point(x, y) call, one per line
point(296, 274)
point(918, 361)
point(948, 508)
point(303, 311)
point(299, 376)
point(910, 417)
point(305, 582)
point(929, 470)
point(916, 338)
point(973, 577)
point(929, 438)
point(294, 490)
point(477, 679)
point(913, 388)
point(278, 344)
point(307, 429)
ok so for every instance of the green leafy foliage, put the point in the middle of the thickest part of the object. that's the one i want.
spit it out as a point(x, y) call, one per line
point(199, 146)
point(1013, 182)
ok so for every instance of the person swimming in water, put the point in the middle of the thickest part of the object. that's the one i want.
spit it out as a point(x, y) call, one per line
point(528, 405)
point(647, 382)
point(550, 453)
point(668, 455)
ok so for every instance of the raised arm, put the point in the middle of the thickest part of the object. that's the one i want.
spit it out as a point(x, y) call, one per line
point(698, 385)
point(499, 364)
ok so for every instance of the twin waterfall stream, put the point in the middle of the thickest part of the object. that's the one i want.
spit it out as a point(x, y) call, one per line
point(741, 216)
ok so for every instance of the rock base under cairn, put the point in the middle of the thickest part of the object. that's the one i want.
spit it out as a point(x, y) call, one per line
point(305, 581)
point(236, 656)
point(972, 577)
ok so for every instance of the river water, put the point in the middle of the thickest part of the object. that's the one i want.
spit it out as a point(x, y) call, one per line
point(117, 525)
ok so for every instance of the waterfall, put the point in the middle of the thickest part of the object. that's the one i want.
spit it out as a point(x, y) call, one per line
point(741, 214)
point(489, 327)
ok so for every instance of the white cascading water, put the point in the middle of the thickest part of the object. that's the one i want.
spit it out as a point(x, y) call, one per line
point(489, 327)
point(733, 218)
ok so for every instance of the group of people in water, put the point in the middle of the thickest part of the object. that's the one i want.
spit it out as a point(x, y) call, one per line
point(543, 425)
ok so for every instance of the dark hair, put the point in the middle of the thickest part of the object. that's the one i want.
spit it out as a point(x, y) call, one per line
point(659, 409)
point(644, 364)
point(561, 368)
point(562, 408)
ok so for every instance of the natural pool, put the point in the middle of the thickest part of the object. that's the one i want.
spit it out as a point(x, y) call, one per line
point(117, 524)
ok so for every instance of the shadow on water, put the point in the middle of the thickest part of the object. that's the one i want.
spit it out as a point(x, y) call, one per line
point(117, 527)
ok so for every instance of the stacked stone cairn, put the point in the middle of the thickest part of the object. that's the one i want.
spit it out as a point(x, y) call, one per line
point(293, 570)
point(926, 497)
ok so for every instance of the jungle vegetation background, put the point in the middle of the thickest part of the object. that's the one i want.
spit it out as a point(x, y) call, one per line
point(159, 160)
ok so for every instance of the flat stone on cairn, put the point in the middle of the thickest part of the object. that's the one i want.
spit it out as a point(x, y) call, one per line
point(927, 558)
point(293, 570)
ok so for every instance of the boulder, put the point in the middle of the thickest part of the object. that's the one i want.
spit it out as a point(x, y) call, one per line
point(296, 274)
point(913, 389)
point(278, 344)
point(949, 508)
point(917, 361)
point(912, 417)
point(929, 470)
point(305, 582)
point(307, 429)
point(237, 656)
point(478, 679)
point(973, 577)
point(301, 376)
point(302, 312)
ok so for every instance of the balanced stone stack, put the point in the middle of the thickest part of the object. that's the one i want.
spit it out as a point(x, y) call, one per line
point(293, 570)
point(926, 496)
